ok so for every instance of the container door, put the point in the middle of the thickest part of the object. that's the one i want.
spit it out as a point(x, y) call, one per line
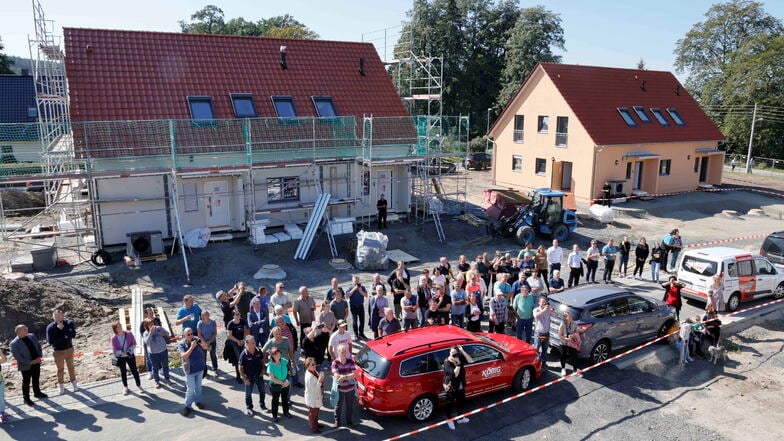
point(384, 186)
point(218, 196)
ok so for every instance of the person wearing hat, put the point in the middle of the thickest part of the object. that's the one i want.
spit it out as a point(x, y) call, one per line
point(341, 337)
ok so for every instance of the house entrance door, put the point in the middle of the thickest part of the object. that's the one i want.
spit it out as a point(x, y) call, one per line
point(704, 168)
point(566, 176)
point(218, 215)
point(637, 181)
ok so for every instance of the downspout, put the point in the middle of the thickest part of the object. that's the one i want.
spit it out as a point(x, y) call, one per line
point(593, 175)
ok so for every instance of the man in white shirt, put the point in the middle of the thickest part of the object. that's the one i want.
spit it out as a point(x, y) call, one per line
point(554, 256)
point(342, 337)
point(575, 262)
point(280, 297)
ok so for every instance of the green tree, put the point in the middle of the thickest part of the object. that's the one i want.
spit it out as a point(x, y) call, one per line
point(210, 20)
point(5, 61)
point(712, 45)
point(755, 76)
point(285, 26)
point(732, 62)
point(468, 36)
point(532, 40)
point(641, 64)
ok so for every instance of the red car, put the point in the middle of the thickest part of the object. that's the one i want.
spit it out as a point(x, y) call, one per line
point(402, 373)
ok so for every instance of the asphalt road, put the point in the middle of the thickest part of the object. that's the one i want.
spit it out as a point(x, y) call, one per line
point(608, 403)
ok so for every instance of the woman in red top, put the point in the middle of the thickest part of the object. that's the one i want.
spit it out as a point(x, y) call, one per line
point(672, 295)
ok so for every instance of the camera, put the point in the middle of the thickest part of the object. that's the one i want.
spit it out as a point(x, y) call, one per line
point(320, 326)
point(197, 340)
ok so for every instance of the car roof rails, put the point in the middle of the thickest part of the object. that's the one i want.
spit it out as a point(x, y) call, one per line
point(430, 344)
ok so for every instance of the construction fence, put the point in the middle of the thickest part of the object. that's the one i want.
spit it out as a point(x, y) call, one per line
point(137, 146)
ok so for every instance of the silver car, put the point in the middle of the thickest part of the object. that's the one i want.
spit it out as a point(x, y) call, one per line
point(611, 318)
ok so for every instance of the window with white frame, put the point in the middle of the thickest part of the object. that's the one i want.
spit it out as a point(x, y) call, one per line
point(519, 121)
point(283, 189)
point(517, 163)
point(543, 124)
point(664, 167)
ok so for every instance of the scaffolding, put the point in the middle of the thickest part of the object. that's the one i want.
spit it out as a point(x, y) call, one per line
point(419, 79)
point(66, 216)
point(184, 149)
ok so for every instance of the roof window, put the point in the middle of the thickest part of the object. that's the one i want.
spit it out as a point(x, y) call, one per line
point(243, 105)
point(642, 114)
point(659, 117)
point(627, 117)
point(201, 108)
point(325, 108)
point(676, 116)
point(284, 106)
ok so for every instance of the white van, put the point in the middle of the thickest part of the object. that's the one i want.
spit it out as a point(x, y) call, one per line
point(747, 276)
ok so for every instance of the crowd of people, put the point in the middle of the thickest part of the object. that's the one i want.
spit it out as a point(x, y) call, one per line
point(278, 341)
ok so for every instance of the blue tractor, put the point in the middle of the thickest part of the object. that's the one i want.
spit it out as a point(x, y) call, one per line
point(545, 214)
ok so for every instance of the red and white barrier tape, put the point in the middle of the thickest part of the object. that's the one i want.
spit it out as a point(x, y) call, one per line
point(566, 377)
point(676, 193)
point(733, 239)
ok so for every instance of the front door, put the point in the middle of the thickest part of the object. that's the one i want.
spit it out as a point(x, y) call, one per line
point(637, 181)
point(384, 185)
point(704, 168)
point(566, 176)
point(218, 215)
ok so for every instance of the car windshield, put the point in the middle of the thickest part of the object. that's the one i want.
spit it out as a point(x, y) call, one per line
point(373, 363)
point(701, 267)
point(493, 342)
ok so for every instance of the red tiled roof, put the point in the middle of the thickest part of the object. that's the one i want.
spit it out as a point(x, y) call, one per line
point(595, 93)
point(132, 75)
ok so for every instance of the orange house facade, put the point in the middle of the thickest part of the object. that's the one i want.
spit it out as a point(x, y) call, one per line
point(573, 128)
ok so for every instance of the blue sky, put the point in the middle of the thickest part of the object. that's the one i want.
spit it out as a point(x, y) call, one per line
point(601, 32)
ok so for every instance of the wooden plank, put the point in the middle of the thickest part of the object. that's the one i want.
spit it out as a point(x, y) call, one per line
point(165, 324)
point(123, 318)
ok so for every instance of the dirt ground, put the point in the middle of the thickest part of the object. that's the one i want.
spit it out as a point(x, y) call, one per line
point(91, 296)
point(749, 380)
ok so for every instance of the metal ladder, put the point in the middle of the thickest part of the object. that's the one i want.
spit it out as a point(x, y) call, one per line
point(435, 208)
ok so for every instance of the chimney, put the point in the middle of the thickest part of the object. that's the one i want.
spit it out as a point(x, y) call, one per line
point(283, 64)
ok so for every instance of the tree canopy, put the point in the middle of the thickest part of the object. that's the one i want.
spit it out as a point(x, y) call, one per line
point(487, 47)
point(5, 61)
point(733, 60)
point(530, 41)
point(211, 20)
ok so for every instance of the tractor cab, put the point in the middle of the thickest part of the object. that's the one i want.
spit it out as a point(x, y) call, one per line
point(545, 215)
point(546, 206)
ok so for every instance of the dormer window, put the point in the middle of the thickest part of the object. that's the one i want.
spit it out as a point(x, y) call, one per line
point(660, 117)
point(243, 105)
point(201, 108)
point(284, 106)
point(325, 108)
point(642, 114)
point(676, 116)
point(627, 117)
